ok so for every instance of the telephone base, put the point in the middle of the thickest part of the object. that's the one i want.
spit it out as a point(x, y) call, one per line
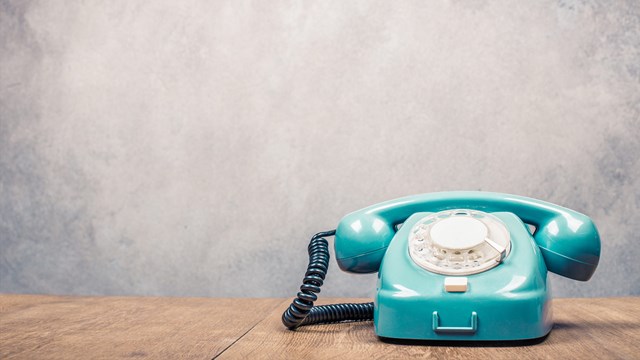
point(467, 343)
point(526, 318)
point(511, 301)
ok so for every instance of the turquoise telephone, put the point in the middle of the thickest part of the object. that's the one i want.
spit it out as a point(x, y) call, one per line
point(452, 266)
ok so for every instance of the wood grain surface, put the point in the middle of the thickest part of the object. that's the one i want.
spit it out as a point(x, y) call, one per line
point(53, 327)
point(584, 329)
point(61, 327)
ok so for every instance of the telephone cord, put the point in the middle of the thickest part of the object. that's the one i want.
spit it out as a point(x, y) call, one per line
point(302, 311)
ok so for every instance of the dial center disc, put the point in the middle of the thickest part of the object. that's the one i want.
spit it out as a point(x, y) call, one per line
point(458, 233)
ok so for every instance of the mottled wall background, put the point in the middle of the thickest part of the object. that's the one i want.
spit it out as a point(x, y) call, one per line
point(191, 148)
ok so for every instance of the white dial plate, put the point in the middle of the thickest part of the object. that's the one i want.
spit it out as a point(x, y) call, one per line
point(459, 242)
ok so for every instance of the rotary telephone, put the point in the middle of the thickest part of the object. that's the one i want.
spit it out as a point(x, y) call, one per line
point(452, 266)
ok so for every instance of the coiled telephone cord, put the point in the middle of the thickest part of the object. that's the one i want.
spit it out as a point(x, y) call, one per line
point(302, 312)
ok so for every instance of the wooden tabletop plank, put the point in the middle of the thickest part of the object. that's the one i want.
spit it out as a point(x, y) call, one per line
point(62, 327)
point(584, 328)
point(59, 327)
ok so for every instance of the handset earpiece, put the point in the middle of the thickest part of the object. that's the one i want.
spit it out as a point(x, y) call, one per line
point(570, 245)
point(361, 240)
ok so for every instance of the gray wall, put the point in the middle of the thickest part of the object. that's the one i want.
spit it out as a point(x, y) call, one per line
point(191, 148)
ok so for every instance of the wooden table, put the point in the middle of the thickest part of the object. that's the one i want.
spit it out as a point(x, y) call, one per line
point(64, 327)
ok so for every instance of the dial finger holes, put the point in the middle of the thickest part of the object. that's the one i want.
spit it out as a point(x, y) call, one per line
point(453, 242)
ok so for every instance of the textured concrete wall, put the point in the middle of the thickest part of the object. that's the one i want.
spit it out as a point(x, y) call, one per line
point(191, 148)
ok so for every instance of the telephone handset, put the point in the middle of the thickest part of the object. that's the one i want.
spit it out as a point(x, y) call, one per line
point(452, 265)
